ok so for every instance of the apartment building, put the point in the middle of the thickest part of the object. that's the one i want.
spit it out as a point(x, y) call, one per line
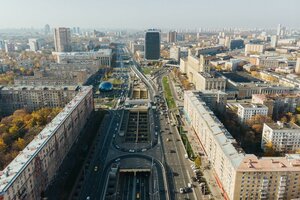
point(254, 48)
point(198, 73)
point(102, 57)
point(215, 99)
point(285, 137)
point(239, 175)
point(278, 104)
point(248, 110)
point(35, 97)
point(57, 77)
point(29, 174)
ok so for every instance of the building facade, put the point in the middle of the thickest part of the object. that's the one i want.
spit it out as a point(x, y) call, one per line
point(175, 53)
point(152, 44)
point(297, 68)
point(35, 97)
point(278, 104)
point(102, 57)
point(172, 37)
point(241, 176)
point(197, 71)
point(283, 137)
point(247, 110)
point(254, 48)
point(29, 174)
point(62, 39)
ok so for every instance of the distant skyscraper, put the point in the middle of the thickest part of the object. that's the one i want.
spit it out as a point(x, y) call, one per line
point(152, 44)
point(172, 36)
point(281, 30)
point(33, 44)
point(274, 41)
point(278, 29)
point(62, 39)
point(297, 69)
point(47, 29)
point(9, 46)
point(76, 30)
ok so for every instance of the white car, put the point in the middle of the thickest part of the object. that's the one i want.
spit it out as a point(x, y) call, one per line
point(131, 150)
point(181, 190)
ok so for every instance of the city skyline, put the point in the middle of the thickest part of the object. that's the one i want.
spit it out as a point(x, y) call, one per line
point(135, 14)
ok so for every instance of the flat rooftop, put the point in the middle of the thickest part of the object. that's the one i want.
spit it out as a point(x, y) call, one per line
point(283, 126)
point(240, 77)
point(251, 105)
point(14, 169)
point(225, 140)
point(17, 88)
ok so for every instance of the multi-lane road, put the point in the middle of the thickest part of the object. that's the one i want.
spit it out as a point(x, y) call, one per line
point(172, 169)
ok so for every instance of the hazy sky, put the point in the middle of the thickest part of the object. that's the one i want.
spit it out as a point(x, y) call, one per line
point(143, 14)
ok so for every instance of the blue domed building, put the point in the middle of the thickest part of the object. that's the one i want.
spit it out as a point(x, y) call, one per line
point(105, 86)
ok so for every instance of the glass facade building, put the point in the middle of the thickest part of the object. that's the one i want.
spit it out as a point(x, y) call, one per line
point(152, 44)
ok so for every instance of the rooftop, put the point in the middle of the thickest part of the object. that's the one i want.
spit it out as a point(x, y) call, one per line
point(291, 162)
point(251, 105)
point(104, 52)
point(222, 136)
point(283, 126)
point(13, 170)
point(17, 88)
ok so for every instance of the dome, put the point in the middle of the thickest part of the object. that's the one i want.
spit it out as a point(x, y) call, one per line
point(105, 86)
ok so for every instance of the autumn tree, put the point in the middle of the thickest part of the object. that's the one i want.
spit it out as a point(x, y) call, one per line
point(197, 161)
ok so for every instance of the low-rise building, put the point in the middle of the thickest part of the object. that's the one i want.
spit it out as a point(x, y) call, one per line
point(247, 110)
point(278, 104)
point(102, 57)
point(29, 174)
point(284, 137)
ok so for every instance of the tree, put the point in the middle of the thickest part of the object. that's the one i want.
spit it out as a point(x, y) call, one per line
point(269, 149)
point(3, 146)
point(19, 144)
point(197, 162)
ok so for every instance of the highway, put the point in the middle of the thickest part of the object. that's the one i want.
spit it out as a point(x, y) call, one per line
point(179, 172)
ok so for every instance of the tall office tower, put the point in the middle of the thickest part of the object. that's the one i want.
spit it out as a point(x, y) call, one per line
point(172, 36)
point(278, 29)
point(33, 44)
point(152, 44)
point(274, 41)
point(62, 39)
point(47, 29)
point(297, 69)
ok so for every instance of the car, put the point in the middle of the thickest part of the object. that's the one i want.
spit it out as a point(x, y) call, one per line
point(181, 190)
point(170, 132)
point(172, 151)
point(168, 139)
point(96, 168)
point(143, 150)
point(88, 198)
point(117, 146)
point(118, 159)
point(131, 150)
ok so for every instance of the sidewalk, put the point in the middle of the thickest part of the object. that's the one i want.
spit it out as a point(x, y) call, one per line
point(208, 173)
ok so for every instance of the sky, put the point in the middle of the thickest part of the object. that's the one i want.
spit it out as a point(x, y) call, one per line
point(142, 14)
